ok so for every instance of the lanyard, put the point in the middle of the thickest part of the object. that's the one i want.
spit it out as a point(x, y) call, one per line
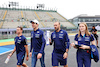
point(84, 36)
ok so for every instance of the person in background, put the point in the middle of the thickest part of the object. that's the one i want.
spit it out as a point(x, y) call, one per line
point(94, 32)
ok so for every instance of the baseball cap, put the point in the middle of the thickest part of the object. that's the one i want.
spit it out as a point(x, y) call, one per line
point(35, 21)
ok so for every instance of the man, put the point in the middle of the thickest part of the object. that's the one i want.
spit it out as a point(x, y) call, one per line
point(61, 46)
point(21, 48)
point(94, 32)
point(37, 44)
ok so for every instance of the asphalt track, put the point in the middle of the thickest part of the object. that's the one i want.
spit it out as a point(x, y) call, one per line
point(48, 51)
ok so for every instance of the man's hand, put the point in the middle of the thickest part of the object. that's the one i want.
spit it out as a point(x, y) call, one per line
point(10, 54)
point(30, 54)
point(27, 58)
point(39, 55)
point(65, 55)
point(72, 44)
point(49, 40)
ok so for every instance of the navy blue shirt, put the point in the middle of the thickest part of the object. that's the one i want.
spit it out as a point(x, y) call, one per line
point(37, 41)
point(61, 41)
point(19, 43)
point(85, 40)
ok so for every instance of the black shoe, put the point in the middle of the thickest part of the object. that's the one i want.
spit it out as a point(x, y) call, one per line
point(97, 46)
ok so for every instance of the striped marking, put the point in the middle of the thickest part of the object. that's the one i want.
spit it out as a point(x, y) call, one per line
point(22, 17)
point(1, 24)
point(9, 41)
point(6, 43)
point(22, 14)
point(5, 15)
point(37, 15)
point(42, 24)
point(49, 15)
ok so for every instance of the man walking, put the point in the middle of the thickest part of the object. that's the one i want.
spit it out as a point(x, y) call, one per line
point(61, 46)
point(37, 44)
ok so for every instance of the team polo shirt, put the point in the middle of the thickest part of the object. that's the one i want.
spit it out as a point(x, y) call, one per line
point(37, 41)
point(61, 41)
point(19, 43)
point(85, 40)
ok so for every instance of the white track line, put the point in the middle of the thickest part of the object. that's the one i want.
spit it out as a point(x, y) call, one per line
point(6, 52)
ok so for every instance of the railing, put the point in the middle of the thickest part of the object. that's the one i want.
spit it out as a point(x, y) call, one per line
point(23, 9)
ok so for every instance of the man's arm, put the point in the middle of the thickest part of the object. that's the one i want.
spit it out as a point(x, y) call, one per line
point(51, 40)
point(43, 44)
point(67, 46)
point(12, 52)
point(31, 46)
point(26, 48)
point(67, 41)
point(42, 47)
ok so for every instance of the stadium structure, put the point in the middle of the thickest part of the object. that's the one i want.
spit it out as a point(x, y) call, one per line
point(90, 20)
point(10, 18)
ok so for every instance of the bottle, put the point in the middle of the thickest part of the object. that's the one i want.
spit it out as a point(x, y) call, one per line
point(7, 60)
point(47, 37)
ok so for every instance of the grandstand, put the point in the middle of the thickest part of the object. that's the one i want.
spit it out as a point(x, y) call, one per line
point(90, 20)
point(11, 18)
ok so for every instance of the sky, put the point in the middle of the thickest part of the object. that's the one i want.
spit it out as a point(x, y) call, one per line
point(67, 8)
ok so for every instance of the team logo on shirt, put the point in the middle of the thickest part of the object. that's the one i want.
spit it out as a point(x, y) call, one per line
point(37, 31)
point(36, 35)
point(60, 35)
point(19, 37)
point(61, 31)
point(87, 38)
point(19, 40)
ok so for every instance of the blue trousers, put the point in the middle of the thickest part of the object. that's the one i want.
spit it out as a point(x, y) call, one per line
point(83, 58)
point(34, 59)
